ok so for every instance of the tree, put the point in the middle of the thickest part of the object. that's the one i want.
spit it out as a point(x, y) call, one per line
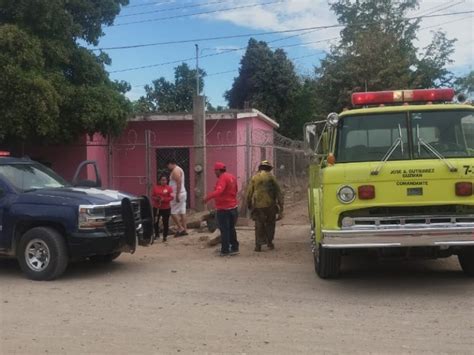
point(465, 84)
point(164, 96)
point(377, 52)
point(52, 88)
point(267, 81)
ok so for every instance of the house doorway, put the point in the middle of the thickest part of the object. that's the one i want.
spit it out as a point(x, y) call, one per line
point(181, 155)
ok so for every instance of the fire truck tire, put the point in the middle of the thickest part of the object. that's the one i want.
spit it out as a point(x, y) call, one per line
point(327, 262)
point(466, 259)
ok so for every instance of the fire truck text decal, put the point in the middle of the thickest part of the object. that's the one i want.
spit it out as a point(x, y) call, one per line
point(412, 173)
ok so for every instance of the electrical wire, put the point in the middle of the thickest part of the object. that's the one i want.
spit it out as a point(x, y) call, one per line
point(198, 13)
point(215, 54)
point(212, 55)
point(184, 7)
point(443, 8)
point(255, 34)
point(150, 4)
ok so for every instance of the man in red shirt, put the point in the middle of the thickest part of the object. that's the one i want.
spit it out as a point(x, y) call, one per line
point(225, 195)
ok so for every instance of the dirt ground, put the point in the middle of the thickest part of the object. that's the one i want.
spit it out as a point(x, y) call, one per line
point(180, 298)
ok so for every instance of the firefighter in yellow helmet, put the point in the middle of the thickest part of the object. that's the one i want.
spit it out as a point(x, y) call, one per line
point(265, 201)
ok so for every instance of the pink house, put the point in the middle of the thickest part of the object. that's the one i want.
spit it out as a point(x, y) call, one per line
point(133, 161)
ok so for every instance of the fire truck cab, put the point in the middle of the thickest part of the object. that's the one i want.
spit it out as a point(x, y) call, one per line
point(394, 176)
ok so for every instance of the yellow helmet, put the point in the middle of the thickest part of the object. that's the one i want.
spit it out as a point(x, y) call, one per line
point(266, 164)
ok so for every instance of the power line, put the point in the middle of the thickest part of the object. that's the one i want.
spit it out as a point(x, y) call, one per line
point(176, 8)
point(210, 55)
point(425, 11)
point(447, 22)
point(443, 8)
point(194, 40)
point(150, 3)
point(255, 34)
point(199, 13)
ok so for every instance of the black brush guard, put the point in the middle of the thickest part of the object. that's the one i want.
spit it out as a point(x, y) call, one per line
point(140, 229)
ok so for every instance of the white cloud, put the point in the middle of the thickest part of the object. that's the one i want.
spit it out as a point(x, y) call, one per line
point(293, 14)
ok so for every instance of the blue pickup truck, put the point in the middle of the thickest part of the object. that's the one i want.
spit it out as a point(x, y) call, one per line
point(46, 222)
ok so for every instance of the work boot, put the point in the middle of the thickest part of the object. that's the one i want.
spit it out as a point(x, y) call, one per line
point(271, 246)
point(258, 248)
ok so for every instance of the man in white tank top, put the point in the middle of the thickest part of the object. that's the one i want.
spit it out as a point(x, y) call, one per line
point(178, 204)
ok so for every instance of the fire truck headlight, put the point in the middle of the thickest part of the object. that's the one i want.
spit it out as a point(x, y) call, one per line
point(346, 194)
point(347, 222)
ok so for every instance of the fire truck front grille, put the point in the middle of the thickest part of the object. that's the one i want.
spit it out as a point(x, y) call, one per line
point(400, 222)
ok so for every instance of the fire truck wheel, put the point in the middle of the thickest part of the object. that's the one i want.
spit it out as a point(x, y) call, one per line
point(327, 262)
point(466, 259)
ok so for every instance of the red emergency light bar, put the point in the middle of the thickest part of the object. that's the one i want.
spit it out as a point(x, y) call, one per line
point(4, 153)
point(400, 96)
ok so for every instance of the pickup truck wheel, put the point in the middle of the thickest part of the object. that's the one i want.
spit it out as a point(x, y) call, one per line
point(42, 254)
point(327, 262)
point(107, 258)
point(466, 259)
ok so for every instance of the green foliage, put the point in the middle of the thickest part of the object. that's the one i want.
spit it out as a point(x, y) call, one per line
point(164, 96)
point(51, 88)
point(268, 82)
point(465, 84)
point(377, 52)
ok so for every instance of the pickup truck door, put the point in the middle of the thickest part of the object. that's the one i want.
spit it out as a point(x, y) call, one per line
point(3, 203)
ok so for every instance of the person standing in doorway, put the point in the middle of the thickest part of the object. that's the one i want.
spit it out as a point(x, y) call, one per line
point(178, 204)
point(265, 200)
point(225, 196)
point(161, 197)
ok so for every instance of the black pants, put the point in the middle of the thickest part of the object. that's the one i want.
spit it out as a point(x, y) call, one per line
point(165, 216)
point(226, 219)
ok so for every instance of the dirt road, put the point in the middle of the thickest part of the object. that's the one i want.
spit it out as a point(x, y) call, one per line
point(180, 298)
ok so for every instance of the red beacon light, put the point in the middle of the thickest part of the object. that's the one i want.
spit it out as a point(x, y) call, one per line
point(402, 96)
point(4, 153)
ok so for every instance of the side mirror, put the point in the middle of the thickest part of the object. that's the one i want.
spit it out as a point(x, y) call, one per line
point(313, 132)
point(333, 119)
point(78, 182)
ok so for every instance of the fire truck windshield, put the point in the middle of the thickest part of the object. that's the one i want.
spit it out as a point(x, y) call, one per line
point(448, 133)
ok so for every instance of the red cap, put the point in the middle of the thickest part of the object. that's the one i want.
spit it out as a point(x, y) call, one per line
point(219, 166)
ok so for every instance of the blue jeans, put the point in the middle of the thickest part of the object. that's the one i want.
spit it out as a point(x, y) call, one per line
point(226, 219)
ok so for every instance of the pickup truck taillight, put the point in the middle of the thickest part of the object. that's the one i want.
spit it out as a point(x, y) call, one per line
point(464, 188)
point(366, 192)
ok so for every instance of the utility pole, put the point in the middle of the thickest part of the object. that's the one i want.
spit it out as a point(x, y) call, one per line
point(199, 135)
point(198, 91)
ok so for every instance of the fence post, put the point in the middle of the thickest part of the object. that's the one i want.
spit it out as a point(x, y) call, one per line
point(110, 172)
point(147, 163)
point(248, 163)
point(199, 143)
point(293, 158)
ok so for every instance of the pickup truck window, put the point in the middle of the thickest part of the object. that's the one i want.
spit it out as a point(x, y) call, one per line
point(27, 177)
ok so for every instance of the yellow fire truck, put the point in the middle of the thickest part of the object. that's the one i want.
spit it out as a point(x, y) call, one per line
point(394, 176)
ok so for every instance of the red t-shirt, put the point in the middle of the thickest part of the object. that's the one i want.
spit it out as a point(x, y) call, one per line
point(225, 192)
point(161, 196)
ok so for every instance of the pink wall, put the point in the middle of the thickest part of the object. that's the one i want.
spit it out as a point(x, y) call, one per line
point(62, 159)
point(125, 168)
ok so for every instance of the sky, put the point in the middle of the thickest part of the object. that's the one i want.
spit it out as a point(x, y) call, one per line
point(152, 21)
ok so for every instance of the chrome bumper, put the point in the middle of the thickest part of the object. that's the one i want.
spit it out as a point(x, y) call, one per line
point(462, 235)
